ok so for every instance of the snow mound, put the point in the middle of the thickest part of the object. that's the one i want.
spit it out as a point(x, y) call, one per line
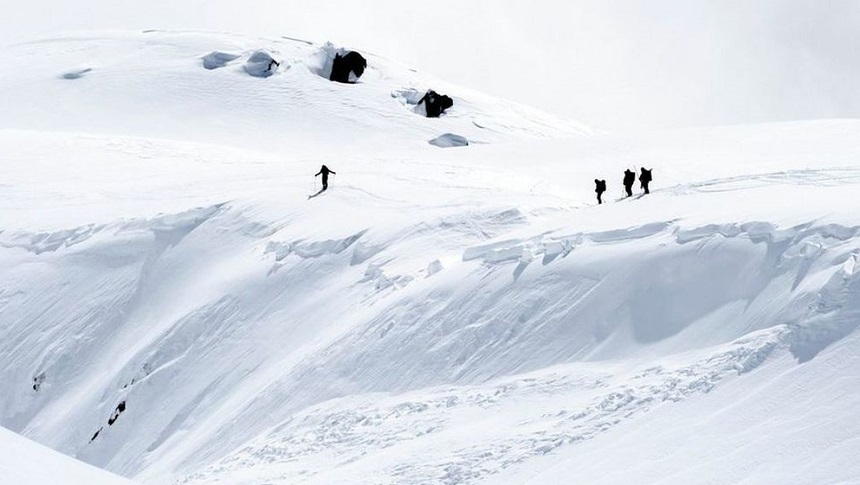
point(217, 59)
point(261, 64)
point(409, 98)
point(449, 140)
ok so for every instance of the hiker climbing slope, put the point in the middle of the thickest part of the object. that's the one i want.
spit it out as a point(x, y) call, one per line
point(600, 188)
point(629, 178)
point(645, 179)
point(325, 171)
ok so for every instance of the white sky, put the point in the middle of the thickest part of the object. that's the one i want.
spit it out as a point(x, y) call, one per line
point(613, 64)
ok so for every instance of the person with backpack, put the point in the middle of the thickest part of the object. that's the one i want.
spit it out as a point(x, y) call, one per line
point(324, 171)
point(645, 179)
point(629, 178)
point(600, 188)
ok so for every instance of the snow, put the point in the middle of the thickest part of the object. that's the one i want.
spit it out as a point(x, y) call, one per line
point(449, 140)
point(260, 64)
point(323, 59)
point(24, 462)
point(216, 59)
point(153, 84)
point(437, 316)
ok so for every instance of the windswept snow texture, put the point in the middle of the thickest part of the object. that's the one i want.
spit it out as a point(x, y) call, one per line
point(176, 310)
point(23, 462)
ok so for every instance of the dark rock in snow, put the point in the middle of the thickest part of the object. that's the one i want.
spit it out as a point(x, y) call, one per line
point(435, 104)
point(37, 381)
point(261, 64)
point(347, 68)
point(119, 410)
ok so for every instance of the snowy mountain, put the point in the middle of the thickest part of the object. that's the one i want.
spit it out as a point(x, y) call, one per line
point(176, 309)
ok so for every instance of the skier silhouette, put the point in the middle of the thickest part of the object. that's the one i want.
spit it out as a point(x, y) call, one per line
point(629, 178)
point(325, 171)
point(600, 188)
point(645, 179)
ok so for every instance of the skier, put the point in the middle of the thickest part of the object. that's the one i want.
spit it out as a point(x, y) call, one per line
point(325, 171)
point(629, 178)
point(645, 179)
point(600, 188)
point(272, 63)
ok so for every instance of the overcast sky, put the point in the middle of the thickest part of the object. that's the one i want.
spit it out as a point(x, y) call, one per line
point(613, 64)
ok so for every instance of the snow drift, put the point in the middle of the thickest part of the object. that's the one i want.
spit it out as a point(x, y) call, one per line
point(449, 140)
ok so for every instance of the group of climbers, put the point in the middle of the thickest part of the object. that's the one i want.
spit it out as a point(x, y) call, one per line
point(347, 68)
point(629, 179)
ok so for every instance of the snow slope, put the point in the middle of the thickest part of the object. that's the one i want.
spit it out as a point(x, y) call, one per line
point(170, 85)
point(175, 308)
point(26, 463)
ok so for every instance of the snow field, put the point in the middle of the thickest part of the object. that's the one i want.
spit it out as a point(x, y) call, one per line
point(438, 316)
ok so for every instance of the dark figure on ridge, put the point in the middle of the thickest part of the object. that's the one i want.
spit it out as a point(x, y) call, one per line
point(629, 178)
point(600, 188)
point(273, 63)
point(325, 171)
point(343, 65)
point(645, 179)
point(435, 104)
